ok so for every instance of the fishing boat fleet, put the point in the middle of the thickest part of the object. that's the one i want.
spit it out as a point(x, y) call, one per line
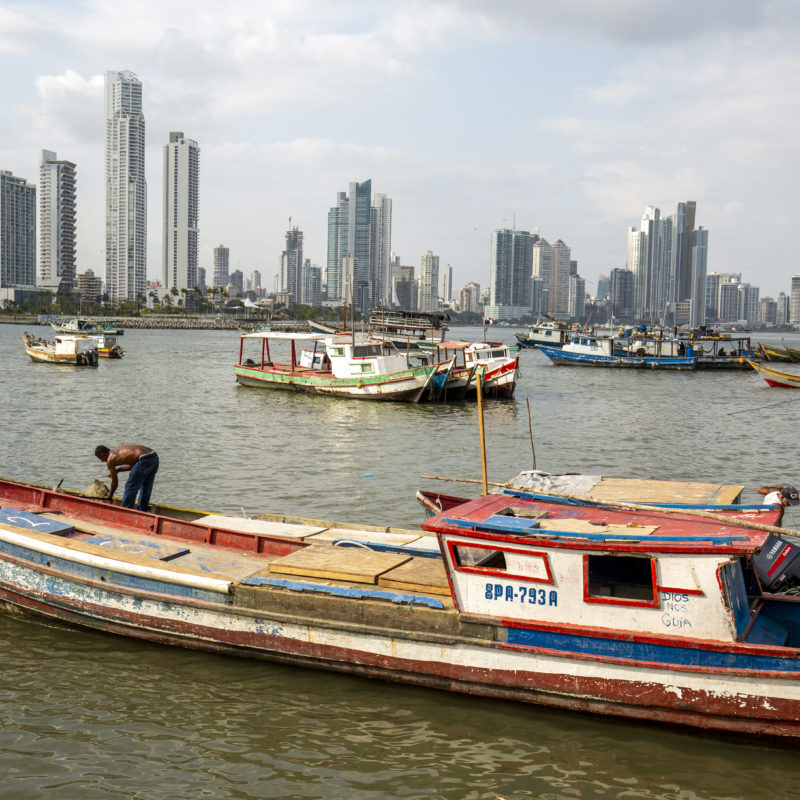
point(687, 615)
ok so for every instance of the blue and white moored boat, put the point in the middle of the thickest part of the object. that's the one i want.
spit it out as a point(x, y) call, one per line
point(597, 351)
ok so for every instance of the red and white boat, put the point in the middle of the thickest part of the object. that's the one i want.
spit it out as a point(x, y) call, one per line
point(667, 618)
point(500, 370)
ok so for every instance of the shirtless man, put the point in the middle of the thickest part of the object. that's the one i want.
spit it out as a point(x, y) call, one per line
point(141, 462)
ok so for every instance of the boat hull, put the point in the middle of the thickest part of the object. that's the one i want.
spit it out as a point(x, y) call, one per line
point(776, 379)
point(521, 665)
point(414, 639)
point(406, 386)
point(562, 357)
point(74, 360)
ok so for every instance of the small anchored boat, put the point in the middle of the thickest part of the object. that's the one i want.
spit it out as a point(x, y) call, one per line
point(782, 380)
point(71, 349)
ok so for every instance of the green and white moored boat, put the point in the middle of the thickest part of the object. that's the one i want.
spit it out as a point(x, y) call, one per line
point(343, 365)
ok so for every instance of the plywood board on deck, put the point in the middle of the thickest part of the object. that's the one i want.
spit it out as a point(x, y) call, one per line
point(425, 575)
point(160, 549)
point(234, 566)
point(426, 543)
point(584, 526)
point(633, 490)
point(258, 526)
point(337, 563)
point(334, 534)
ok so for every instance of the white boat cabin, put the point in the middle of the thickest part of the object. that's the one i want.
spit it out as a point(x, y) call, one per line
point(583, 344)
point(70, 344)
point(490, 355)
point(643, 588)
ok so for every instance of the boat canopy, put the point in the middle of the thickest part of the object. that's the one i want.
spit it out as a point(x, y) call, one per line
point(287, 336)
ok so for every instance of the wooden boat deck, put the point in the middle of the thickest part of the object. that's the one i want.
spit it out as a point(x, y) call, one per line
point(334, 560)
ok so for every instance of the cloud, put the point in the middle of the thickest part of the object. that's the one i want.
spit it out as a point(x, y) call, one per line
point(624, 22)
point(70, 106)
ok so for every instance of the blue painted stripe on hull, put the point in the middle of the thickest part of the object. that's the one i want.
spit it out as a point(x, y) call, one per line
point(344, 591)
point(108, 576)
point(570, 644)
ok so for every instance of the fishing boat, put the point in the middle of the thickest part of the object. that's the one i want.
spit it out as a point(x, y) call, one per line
point(88, 326)
point(454, 376)
point(107, 346)
point(782, 380)
point(548, 332)
point(594, 351)
point(709, 349)
point(667, 618)
point(496, 368)
point(70, 349)
point(599, 492)
point(770, 352)
point(342, 366)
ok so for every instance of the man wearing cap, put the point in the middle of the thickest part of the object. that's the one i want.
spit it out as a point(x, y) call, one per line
point(787, 496)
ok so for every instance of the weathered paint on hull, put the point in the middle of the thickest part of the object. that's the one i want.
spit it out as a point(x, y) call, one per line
point(408, 389)
point(719, 700)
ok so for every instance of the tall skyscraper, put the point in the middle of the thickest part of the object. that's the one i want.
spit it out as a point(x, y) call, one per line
point(621, 293)
point(126, 189)
point(447, 284)
point(361, 232)
point(17, 232)
point(181, 191)
point(511, 265)
point(576, 297)
point(292, 266)
point(221, 265)
point(559, 295)
point(429, 283)
point(56, 223)
point(794, 301)
point(380, 250)
point(697, 293)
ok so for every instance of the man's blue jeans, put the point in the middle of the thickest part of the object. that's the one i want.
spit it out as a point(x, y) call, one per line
point(142, 476)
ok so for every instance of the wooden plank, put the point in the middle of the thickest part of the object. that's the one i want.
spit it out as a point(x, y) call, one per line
point(633, 490)
point(337, 563)
point(584, 526)
point(37, 522)
point(334, 534)
point(222, 562)
point(428, 542)
point(426, 575)
point(258, 526)
point(152, 547)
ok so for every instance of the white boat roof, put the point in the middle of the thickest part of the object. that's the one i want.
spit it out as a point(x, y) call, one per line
point(287, 335)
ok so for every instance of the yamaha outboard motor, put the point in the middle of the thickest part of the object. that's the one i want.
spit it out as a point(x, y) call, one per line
point(778, 564)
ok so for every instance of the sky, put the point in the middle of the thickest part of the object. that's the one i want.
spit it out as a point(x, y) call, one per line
point(566, 118)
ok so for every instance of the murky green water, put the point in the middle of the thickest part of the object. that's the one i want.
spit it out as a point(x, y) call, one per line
point(85, 715)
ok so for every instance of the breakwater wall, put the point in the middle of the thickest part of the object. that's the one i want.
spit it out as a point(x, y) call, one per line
point(171, 323)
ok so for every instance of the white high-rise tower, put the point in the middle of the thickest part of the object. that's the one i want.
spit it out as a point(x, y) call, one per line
point(181, 174)
point(56, 223)
point(126, 190)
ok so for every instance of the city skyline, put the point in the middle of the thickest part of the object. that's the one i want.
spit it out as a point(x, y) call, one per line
point(641, 108)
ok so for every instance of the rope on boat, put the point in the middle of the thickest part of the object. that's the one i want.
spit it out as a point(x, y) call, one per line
point(741, 523)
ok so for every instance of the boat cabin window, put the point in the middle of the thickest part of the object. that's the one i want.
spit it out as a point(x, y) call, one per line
point(506, 562)
point(614, 578)
point(337, 351)
point(363, 350)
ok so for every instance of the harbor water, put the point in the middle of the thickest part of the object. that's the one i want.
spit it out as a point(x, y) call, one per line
point(86, 715)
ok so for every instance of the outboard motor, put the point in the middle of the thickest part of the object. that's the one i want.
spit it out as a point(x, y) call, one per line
point(777, 564)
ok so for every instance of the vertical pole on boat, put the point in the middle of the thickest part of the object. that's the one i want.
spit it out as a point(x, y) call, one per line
point(479, 387)
point(530, 431)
